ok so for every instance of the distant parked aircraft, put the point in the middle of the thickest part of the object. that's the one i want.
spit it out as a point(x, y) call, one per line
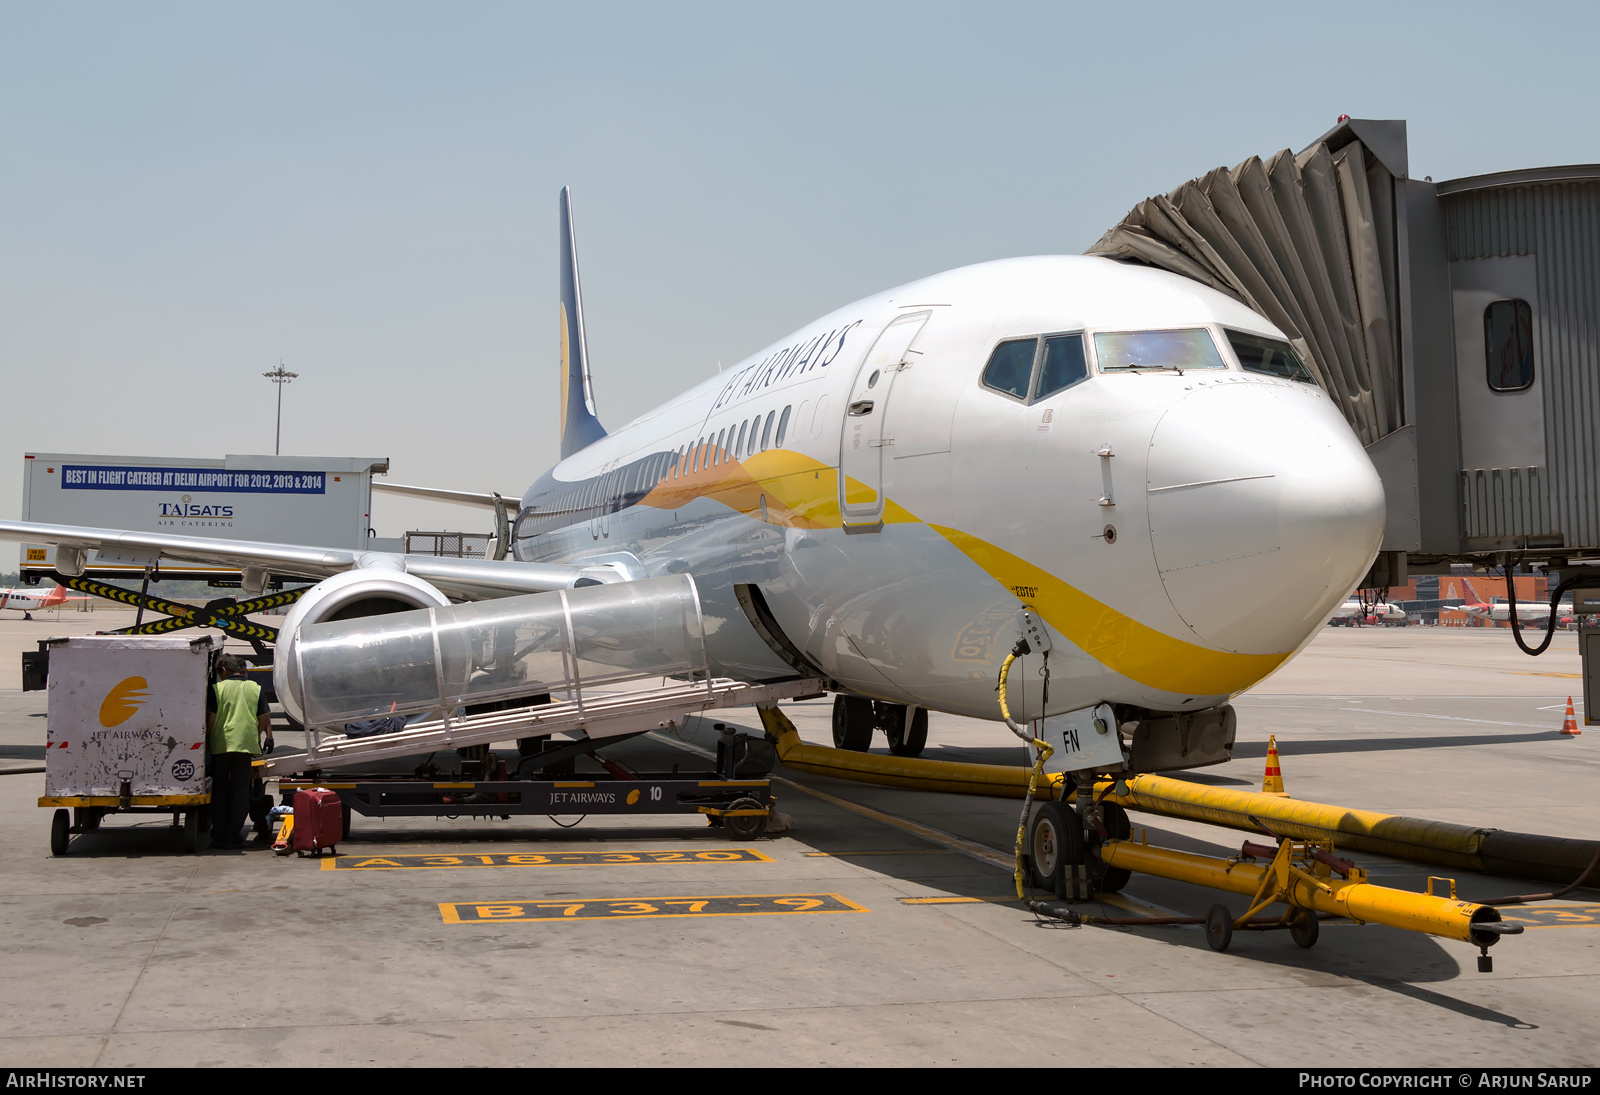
point(1354, 614)
point(29, 601)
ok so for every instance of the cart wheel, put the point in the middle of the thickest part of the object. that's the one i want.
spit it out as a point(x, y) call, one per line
point(748, 827)
point(1305, 928)
point(60, 822)
point(87, 818)
point(191, 830)
point(1219, 927)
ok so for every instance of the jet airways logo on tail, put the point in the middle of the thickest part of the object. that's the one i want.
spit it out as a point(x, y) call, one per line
point(122, 702)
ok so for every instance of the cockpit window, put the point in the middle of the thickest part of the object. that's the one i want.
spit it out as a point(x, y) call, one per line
point(1268, 355)
point(1010, 367)
point(1063, 364)
point(1139, 351)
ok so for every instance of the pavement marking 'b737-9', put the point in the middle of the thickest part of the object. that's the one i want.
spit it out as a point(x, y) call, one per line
point(542, 859)
point(644, 908)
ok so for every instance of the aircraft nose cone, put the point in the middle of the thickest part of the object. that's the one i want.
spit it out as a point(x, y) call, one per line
point(1264, 511)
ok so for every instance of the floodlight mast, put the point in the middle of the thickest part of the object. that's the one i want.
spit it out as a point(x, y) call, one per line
point(279, 376)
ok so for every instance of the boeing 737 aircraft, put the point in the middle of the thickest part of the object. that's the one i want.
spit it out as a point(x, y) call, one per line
point(870, 499)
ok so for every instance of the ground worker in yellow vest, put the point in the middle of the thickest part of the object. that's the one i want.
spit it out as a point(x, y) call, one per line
point(237, 723)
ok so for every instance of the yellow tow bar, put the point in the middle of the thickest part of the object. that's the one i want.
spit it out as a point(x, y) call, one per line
point(1301, 875)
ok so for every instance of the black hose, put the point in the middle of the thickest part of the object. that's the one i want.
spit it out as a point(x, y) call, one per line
point(1520, 899)
point(1550, 623)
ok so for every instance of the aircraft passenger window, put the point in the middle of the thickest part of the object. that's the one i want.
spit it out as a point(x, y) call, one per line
point(755, 434)
point(1269, 356)
point(721, 436)
point(1508, 345)
point(738, 446)
point(1010, 367)
point(1063, 364)
point(783, 427)
point(1133, 351)
point(766, 431)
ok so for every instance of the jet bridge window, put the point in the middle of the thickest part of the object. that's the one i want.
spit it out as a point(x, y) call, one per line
point(1010, 368)
point(1142, 351)
point(1269, 356)
point(1508, 345)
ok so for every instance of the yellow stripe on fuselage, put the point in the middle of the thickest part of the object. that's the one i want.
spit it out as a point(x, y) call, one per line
point(800, 492)
point(804, 493)
point(1119, 642)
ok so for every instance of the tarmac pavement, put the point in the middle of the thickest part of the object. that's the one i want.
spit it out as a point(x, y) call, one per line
point(847, 940)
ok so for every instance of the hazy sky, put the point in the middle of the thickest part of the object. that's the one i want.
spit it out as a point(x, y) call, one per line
point(190, 193)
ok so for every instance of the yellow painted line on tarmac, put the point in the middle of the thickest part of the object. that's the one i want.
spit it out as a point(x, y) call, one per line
point(927, 832)
point(645, 908)
point(887, 851)
point(542, 859)
point(1137, 908)
point(1533, 673)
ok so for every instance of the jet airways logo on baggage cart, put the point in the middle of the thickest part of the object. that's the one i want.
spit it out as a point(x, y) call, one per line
point(122, 702)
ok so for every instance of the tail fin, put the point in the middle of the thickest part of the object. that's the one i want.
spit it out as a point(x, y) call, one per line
point(57, 595)
point(579, 425)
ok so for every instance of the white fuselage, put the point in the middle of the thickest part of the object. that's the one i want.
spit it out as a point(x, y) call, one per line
point(1181, 533)
point(28, 600)
point(1382, 611)
point(1527, 611)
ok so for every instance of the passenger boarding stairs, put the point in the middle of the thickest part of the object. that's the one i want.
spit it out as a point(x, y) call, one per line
point(581, 662)
point(595, 716)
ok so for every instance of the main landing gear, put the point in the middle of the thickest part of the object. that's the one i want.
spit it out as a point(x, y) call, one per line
point(854, 720)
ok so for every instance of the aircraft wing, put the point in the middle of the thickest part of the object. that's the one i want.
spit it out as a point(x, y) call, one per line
point(459, 497)
point(469, 579)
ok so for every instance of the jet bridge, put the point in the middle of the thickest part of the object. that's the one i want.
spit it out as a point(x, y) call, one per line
point(1456, 324)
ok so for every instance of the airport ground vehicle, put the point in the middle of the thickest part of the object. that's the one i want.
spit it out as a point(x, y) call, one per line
point(126, 732)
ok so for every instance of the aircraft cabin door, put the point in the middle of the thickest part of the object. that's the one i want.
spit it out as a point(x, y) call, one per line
point(862, 442)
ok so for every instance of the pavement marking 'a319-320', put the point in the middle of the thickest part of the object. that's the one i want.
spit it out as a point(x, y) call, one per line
point(541, 859)
point(645, 908)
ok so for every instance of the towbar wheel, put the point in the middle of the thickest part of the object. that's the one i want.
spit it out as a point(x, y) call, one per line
point(1219, 927)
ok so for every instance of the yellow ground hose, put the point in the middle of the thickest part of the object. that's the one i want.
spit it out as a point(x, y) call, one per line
point(1044, 753)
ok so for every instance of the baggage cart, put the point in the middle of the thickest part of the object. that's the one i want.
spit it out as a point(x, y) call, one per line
point(126, 732)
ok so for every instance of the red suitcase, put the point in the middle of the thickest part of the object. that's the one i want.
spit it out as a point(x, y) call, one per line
point(318, 821)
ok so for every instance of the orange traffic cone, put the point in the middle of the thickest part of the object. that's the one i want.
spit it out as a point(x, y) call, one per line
point(1569, 727)
point(1272, 782)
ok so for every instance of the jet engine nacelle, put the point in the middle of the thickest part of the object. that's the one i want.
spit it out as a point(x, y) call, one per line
point(345, 596)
